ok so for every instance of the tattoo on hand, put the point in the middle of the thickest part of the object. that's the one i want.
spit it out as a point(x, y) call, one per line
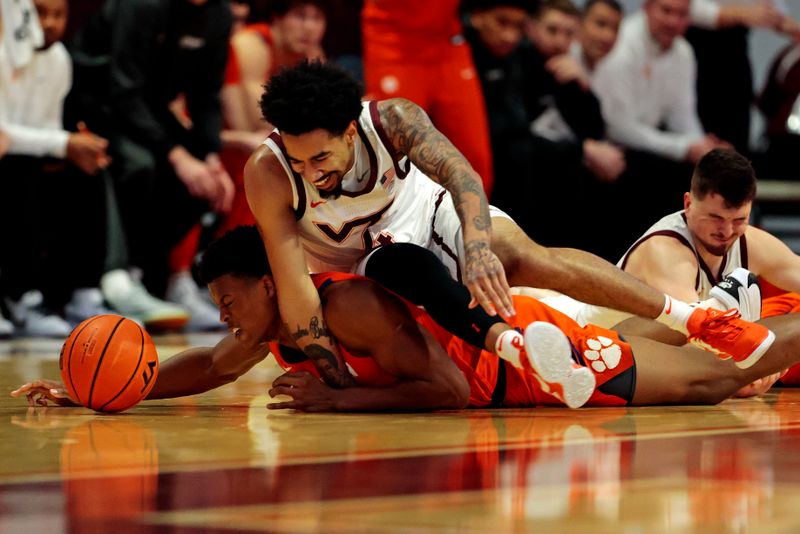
point(327, 364)
point(478, 260)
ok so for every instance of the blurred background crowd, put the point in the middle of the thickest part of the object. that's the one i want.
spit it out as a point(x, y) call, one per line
point(125, 124)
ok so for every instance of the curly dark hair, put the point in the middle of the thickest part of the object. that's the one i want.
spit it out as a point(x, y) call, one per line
point(726, 173)
point(240, 252)
point(309, 96)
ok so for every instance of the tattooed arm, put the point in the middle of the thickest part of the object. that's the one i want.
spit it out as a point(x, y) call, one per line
point(412, 133)
point(270, 197)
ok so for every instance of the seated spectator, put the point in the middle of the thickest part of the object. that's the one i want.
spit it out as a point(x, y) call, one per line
point(545, 122)
point(780, 104)
point(646, 86)
point(52, 192)
point(720, 38)
point(597, 36)
point(257, 51)
point(133, 60)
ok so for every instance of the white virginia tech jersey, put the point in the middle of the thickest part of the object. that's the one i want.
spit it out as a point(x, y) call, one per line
point(674, 226)
point(384, 199)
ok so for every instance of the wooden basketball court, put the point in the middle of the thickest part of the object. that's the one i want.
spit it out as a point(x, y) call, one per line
point(221, 462)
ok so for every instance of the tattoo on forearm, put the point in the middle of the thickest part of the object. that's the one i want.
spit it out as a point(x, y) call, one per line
point(410, 130)
point(317, 329)
point(297, 334)
point(328, 366)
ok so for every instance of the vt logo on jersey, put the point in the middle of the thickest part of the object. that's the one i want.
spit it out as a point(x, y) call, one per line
point(315, 203)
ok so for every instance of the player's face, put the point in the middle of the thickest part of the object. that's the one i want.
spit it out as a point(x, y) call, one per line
point(302, 28)
point(599, 31)
point(715, 224)
point(500, 29)
point(553, 32)
point(240, 11)
point(667, 20)
point(248, 307)
point(320, 158)
point(53, 19)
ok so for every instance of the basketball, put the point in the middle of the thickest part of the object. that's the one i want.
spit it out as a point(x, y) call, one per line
point(108, 363)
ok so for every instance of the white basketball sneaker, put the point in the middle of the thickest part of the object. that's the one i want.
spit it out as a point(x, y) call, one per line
point(549, 356)
point(740, 290)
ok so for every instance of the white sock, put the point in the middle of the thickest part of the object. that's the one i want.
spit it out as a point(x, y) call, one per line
point(711, 303)
point(675, 314)
point(509, 345)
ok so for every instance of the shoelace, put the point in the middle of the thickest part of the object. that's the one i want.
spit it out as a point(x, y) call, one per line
point(720, 324)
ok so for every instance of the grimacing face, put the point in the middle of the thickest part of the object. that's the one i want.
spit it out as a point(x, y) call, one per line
point(501, 29)
point(667, 20)
point(322, 159)
point(552, 33)
point(248, 306)
point(714, 224)
point(599, 29)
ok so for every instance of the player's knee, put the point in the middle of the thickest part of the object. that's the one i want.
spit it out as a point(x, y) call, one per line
point(710, 391)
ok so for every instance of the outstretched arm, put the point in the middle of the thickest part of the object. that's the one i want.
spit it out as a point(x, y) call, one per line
point(427, 379)
point(412, 133)
point(270, 198)
point(190, 372)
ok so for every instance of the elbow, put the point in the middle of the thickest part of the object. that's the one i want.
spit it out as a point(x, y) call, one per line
point(457, 395)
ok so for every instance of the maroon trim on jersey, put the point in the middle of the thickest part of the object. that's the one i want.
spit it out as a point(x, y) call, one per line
point(376, 123)
point(667, 233)
point(299, 184)
point(373, 166)
point(439, 240)
point(743, 251)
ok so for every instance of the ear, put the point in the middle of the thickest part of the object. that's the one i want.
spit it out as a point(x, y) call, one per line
point(269, 285)
point(687, 200)
point(351, 132)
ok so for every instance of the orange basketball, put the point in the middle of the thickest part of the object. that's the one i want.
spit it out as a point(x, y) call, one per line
point(108, 363)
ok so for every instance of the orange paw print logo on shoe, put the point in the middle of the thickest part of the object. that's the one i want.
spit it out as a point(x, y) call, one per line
point(603, 353)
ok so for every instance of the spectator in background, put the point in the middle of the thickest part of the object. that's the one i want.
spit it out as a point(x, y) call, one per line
point(719, 36)
point(415, 49)
point(133, 60)
point(545, 122)
point(52, 209)
point(780, 104)
point(598, 33)
point(646, 86)
point(257, 51)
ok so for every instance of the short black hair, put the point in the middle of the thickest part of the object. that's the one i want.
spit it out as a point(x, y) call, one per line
point(726, 173)
point(309, 96)
point(613, 4)
point(239, 252)
point(279, 8)
point(529, 6)
point(564, 6)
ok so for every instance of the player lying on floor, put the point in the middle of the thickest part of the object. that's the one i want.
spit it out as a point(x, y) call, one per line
point(402, 360)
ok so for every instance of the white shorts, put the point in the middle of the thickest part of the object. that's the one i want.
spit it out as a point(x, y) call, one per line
point(446, 240)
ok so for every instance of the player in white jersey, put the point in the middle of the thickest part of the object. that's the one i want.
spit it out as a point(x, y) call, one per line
point(335, 153)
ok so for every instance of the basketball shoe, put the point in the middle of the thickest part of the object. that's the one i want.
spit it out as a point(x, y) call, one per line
point(548, 356)
point(728, 336)
point(85, 302)
point(183, 290)
point(129, 297)
point(33, 319)
point(740, 290)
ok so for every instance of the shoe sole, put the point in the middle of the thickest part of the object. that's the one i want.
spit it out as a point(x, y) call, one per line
point(550, 354)
point(758, 353)
point(750, 308)
point(171, 323)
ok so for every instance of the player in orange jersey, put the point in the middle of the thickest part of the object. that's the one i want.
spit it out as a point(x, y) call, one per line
point(401, 359)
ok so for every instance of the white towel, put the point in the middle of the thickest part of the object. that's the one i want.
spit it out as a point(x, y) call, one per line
point(22, 34)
